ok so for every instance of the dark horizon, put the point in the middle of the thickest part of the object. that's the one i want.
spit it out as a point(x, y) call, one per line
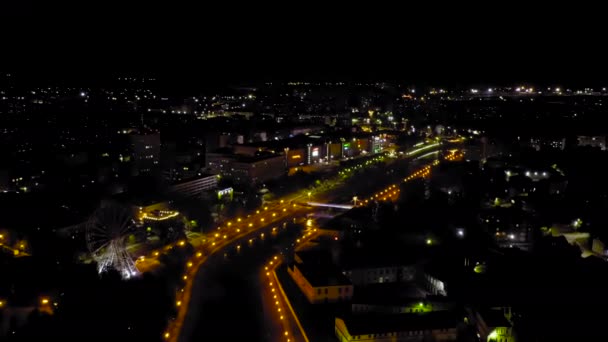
point(209, 79)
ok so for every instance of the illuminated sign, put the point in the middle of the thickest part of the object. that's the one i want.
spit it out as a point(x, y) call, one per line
point(296, 156)
point(315, 152)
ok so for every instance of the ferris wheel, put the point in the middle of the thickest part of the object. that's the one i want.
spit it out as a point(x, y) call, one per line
point(106, 232)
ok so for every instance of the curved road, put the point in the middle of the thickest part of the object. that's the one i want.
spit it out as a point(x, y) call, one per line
point(227, 291)
point(220, 301)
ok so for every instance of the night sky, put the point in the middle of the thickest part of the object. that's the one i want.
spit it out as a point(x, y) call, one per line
point(206, 45)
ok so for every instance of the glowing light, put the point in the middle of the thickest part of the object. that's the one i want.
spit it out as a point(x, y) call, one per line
point(161, 218)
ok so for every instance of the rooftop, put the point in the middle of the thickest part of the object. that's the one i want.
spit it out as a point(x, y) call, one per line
point(315, 256)
point(388, 294)
point(323, 275)
point(201, 176)
point(495, 318)
point(373, 256)
point(249, 159)
point(363, 324)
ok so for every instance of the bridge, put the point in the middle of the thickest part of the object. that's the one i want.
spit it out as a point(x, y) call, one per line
point(330, 205)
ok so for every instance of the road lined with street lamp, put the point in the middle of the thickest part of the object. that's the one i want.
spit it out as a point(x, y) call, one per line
point(275, 297)
point(285, 319)
point(224, 237)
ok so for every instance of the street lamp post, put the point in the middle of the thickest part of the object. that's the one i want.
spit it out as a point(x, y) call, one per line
point(355, 199)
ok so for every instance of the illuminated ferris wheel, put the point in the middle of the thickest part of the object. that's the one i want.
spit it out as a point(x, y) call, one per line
point(106, 234)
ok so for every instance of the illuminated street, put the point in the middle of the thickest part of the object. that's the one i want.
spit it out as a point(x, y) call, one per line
point(328, 186)
point(223, 242)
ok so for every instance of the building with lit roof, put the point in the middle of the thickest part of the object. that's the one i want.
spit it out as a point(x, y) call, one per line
point(244, 169)
point(431, 326)
point(492, 325)
point(321, 284)
point(320, 281)
point(195, 186)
